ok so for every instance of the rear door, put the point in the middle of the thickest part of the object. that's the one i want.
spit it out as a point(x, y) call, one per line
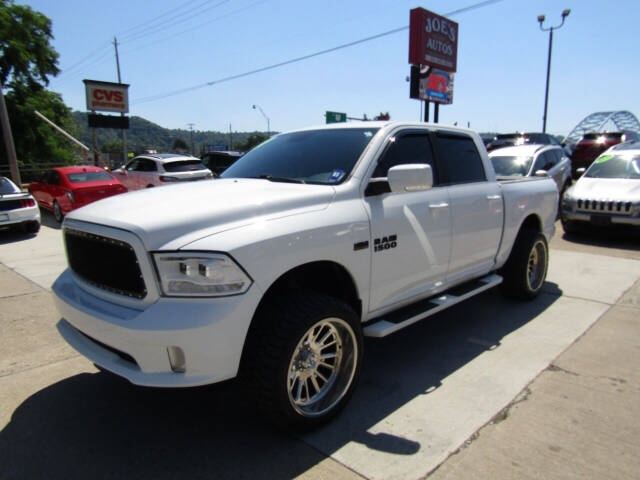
point(476, 206)
point(410, 231)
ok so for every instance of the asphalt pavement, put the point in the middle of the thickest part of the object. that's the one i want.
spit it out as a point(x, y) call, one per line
point(489, 388)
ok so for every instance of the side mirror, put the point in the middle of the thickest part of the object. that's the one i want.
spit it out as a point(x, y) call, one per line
point(541, 173)
point(581, 171)
point(410, 178)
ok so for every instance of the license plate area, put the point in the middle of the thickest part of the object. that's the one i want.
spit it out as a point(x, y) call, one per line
point(600, 220)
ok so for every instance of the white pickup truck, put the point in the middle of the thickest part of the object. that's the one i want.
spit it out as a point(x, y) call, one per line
point(275, 272)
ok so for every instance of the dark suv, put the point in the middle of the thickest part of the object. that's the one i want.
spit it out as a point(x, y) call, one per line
point(218, 162)
point(593, 144)
point(513, 139)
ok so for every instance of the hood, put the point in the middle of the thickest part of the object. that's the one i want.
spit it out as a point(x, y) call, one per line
point(170, 217)
point(613, 189)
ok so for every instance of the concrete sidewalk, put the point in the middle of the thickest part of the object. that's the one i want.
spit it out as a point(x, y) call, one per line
point(579, 419)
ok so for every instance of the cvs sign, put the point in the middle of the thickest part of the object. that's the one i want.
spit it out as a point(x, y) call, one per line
point(107, 96)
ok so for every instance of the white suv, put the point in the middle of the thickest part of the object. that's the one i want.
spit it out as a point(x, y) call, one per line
point(159, 169)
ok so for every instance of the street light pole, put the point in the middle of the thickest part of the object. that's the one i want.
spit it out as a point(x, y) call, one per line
point(266, 118)
point(541, 18)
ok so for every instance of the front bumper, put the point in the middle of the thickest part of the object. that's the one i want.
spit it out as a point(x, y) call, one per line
point(587, 217)
point(20, 215)
point(210, 332)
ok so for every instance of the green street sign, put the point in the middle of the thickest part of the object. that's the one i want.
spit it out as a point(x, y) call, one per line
point(335, 117)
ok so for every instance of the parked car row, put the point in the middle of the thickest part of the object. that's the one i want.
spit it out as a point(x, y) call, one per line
point(61, 190)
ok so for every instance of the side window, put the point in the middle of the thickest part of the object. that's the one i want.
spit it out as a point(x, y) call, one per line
point(459, 160)
point(539, 164)
point(551, 159)
point(54, 178)
point(410, 148)
point(133, 166)
point(147, 165)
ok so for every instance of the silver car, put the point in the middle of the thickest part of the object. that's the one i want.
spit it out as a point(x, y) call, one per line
point(608, 193)
point(530, 160)
point(155, 170)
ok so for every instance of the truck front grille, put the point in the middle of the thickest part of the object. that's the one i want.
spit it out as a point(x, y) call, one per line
point(605, 206)
point(105, 263)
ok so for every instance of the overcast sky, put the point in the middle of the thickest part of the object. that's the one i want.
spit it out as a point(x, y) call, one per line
point(499, 86)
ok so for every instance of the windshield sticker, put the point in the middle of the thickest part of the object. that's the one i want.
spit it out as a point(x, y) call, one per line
point(604, 159)
point(336, 175)
point(368, 134)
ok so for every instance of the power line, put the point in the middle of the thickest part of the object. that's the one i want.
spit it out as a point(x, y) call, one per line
point(149, 22)
point(152, 98)
point(195, 27)
point(129, 32)
point(161, 26)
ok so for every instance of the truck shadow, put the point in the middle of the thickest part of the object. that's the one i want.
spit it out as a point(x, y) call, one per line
point(96, 425)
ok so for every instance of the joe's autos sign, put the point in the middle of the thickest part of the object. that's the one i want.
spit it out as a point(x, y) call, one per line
point(433, 40)
point(107, 96)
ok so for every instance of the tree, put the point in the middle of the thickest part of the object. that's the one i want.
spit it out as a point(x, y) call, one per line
point(179, 145)
point(252, 141)
point(112, 147)
point(26, 57)
point(27, 60)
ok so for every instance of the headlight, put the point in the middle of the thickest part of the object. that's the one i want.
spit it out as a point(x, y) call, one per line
point(194, 274)
point(567, 203)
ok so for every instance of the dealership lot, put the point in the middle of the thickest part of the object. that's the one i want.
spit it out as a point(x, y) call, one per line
point(424, 393)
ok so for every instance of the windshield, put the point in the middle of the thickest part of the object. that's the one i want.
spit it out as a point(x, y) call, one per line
point(7, 186)
point(315, 156)
point(184, 166)
point(510, 166)
point(615, 166)
point(84, 177)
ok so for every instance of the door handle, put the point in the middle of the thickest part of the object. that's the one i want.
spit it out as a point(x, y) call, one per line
point(435, 206)
point(493, 197)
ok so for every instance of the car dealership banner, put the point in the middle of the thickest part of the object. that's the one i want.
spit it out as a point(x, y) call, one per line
point(107, 96)
point(433, 40)
point(431, 84)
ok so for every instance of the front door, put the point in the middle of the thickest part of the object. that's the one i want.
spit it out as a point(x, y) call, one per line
point(410, 231)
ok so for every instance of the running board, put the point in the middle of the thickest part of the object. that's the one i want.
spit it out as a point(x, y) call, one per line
point(398, 319)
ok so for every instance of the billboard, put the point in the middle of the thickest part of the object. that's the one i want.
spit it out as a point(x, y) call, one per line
point(107, 96)
point(433, 40)
point(431, 84)
point(107, 121)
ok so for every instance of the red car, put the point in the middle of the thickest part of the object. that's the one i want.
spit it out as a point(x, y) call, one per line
point(66, 188)
point(593, 144)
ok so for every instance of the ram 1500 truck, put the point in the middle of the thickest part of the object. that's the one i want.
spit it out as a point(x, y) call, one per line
point(275, 272)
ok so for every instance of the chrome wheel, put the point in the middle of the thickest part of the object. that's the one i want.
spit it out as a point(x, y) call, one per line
point(537, 265)
point(322, 367)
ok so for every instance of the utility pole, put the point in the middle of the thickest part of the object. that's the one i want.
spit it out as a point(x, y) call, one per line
point(565, 14)
point(124, 131)
point(8, 141)
point(191, 134)
point(230, 138)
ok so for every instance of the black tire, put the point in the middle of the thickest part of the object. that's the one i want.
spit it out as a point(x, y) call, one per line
point(150, 186)
point(521, 281)
point(31, 227)
point(57, 212)
point(275, 359)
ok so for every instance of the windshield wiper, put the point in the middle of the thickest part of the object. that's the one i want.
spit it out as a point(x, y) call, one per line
point(271, 178)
